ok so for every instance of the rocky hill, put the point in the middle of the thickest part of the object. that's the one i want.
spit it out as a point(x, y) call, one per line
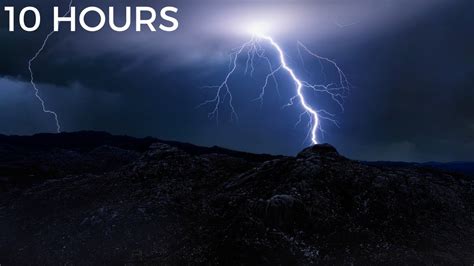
point(92, 198)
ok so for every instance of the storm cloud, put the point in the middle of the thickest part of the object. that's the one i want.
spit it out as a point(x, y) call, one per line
point(412, 65)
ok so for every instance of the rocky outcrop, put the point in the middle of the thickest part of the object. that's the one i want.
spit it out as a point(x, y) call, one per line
point(171, 205)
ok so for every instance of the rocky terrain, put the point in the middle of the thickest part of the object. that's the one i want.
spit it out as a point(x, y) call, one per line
point(93, 198)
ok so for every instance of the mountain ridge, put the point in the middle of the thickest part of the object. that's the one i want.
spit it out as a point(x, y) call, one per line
point(171, 205)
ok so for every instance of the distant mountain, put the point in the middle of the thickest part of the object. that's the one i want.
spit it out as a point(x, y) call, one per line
point(466, 168)
point(31, 159)
point(91, 198)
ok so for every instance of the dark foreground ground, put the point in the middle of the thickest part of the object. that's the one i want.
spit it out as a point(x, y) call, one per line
point(92, 198)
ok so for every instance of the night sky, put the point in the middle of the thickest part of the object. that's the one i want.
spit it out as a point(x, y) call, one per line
point(411, 64)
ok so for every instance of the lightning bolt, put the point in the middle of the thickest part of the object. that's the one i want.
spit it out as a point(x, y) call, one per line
point(253, 49)
point(32, 78)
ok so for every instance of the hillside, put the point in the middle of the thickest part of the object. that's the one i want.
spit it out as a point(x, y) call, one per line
point(93, 198)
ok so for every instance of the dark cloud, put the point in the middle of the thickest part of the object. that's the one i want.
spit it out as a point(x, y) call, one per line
point(412, 64)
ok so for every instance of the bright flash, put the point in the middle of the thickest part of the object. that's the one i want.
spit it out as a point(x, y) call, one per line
point(258, 28)
point(253, 52)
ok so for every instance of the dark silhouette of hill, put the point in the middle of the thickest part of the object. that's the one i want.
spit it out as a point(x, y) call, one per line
point(93, 198)
point(465, 168)
point(25, 160)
